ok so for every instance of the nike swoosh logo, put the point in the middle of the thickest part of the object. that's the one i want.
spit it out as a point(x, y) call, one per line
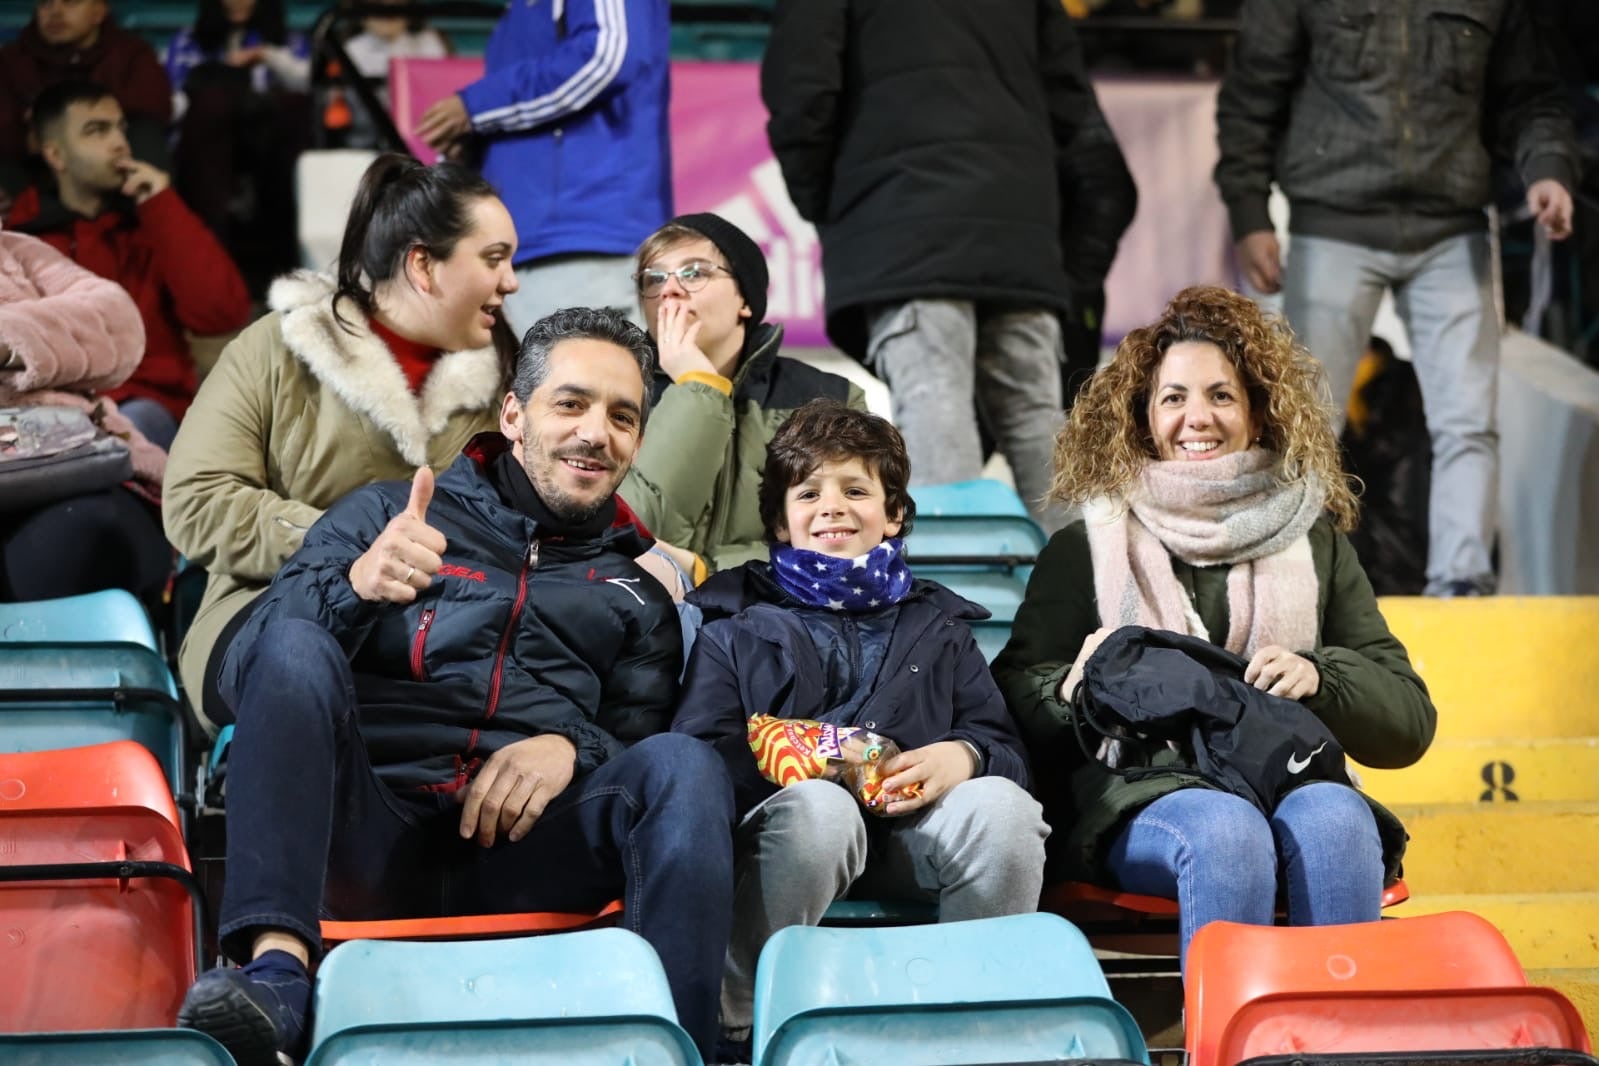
point(1297, 766)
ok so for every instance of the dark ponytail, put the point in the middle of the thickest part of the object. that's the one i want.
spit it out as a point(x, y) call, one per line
point(402, 204)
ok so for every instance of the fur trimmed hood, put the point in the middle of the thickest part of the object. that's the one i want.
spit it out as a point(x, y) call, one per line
point(356, 364)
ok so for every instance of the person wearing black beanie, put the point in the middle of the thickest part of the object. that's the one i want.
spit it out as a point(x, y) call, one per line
point(721, 391)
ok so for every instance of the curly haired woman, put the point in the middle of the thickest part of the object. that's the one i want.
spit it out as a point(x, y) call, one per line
point(1214, 506)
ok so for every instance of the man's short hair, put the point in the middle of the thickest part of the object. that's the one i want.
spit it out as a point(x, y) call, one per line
point(580, 323)
point(825, 431)
point(51, 105)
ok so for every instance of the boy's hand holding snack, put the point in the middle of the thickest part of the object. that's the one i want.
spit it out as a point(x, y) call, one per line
point(917, 777)
point(799, 749)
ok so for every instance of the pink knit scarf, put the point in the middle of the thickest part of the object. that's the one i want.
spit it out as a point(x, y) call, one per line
point(1231, 511)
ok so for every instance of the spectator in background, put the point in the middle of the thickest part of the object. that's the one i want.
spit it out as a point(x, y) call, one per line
point(393, 364)
point(382, 38)
point(242, 79)
point(1380, 131)
point(75, 40)
point(925, 141)
point(571, 118)
point(66, 335)
point(118, 216)
point(721, 391)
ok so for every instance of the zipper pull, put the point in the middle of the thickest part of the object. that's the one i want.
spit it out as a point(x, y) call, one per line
point(532, 553)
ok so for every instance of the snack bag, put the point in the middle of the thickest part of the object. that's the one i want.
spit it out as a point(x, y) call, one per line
point(798, 749)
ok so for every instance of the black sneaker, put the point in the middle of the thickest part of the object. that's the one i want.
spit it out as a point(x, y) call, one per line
point(252, 1019)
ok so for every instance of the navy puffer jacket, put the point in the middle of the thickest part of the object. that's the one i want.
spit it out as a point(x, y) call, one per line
point(518, 635)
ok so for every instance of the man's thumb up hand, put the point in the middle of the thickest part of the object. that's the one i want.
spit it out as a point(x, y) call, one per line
point(406, 555)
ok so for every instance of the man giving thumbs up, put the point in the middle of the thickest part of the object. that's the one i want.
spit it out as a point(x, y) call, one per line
point(453, 699)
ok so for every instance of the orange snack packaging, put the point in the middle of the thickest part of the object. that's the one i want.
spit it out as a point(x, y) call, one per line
point(799, 749)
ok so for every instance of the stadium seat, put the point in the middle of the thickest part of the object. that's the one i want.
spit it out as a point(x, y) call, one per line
point(62, 695)
point(852, 912)
point(1441, 982)
point(992, 636)
point(1126, 922)
point(129, 1047)
point(96, 894)
point(109, 617)
point(577, 999)
point(973, 523)
point(999, 591)
point(468, 927)
point(1014, 989)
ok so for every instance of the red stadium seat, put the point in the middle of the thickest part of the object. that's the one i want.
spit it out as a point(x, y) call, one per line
point(469, 927)
point(1440, 982)
point(97, 902)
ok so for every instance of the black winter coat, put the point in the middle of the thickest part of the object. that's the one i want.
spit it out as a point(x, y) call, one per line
point(517, 636)
point(933, 143)
point(756, 655)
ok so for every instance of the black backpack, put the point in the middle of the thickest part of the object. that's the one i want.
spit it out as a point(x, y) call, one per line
point(1147, 688)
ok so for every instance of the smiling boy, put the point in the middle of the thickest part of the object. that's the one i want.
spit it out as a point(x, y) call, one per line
point(834, 627)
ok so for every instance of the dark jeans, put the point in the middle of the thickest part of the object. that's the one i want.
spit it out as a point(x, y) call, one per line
point(312, 831)
point(101, 540)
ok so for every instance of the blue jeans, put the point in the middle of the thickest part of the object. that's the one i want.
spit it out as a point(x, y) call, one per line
point(1221, 859)
point(1444, 294)
point(313, 832)
point(151, 419)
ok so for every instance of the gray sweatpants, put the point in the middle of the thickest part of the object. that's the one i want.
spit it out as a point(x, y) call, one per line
point(978, 852)
point(938, 355)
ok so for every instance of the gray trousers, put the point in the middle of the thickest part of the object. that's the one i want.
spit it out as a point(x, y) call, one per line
point(1444, 294)
point(978, 852)
point(938, 355)
point(571, 281)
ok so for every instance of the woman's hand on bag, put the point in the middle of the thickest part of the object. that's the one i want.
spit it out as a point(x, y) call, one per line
point(1091, 643)
point(1283, 673)
point(938, 767)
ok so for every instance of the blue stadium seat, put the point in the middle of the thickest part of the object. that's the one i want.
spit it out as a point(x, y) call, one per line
point(575, 998)
point(999, 590)
point(992, 636)
point(980, 496)
point(853, 912)
point(124, 1047)
point(972, 523)
point(62, 695)
point(1014, 989)
point(109, 617)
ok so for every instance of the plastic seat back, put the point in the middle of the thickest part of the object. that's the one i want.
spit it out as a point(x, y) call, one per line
point(468, 926)
point(129, 1047)
point(112, 947)
point(110, 617)
point(1001, 592)
point(59, 695)
point(1436, 982)
point(580, 998)
point(966, 524)
point(979, 496)
point(1020, 988)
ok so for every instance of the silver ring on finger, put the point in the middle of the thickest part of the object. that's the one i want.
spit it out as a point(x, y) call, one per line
point(408, 573)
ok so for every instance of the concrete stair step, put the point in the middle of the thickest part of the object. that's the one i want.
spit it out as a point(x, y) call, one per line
point(1581, 986)
point(1494, 771)
point(1552, 930)
point(1504, 663)
point(1460, 848)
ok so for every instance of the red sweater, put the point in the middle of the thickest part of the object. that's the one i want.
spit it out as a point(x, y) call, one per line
point(174, 268)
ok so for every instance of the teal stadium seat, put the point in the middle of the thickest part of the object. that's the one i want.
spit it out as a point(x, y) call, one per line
point(992, 636)
point(87, 670)
point(856, 912)
point(1023, 988)
point(973, 523)
point(580, 999)
point(132, 1047)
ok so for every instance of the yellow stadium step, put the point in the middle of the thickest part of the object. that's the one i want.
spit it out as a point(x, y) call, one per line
point(1579, 986)
point(1558, 770)
point(1498, 666)
point(1552, 930)
point(1494, 848)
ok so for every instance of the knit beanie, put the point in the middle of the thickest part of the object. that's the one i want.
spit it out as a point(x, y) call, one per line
point(743, 257)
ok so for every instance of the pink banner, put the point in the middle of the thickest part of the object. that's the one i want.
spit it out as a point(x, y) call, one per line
point(721, 162)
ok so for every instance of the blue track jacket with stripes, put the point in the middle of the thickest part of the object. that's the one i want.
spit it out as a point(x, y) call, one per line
point(573, 109)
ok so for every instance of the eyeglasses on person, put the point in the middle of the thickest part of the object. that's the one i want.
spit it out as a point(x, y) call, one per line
point(693, 276)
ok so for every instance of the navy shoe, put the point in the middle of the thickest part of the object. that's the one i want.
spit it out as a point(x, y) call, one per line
point(259, 1022)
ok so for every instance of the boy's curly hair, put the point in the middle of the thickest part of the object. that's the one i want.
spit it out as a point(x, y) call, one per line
point(829, 431)
point(1106, 441)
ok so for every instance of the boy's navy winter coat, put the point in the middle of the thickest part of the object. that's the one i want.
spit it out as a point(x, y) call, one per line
point(760, 652)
